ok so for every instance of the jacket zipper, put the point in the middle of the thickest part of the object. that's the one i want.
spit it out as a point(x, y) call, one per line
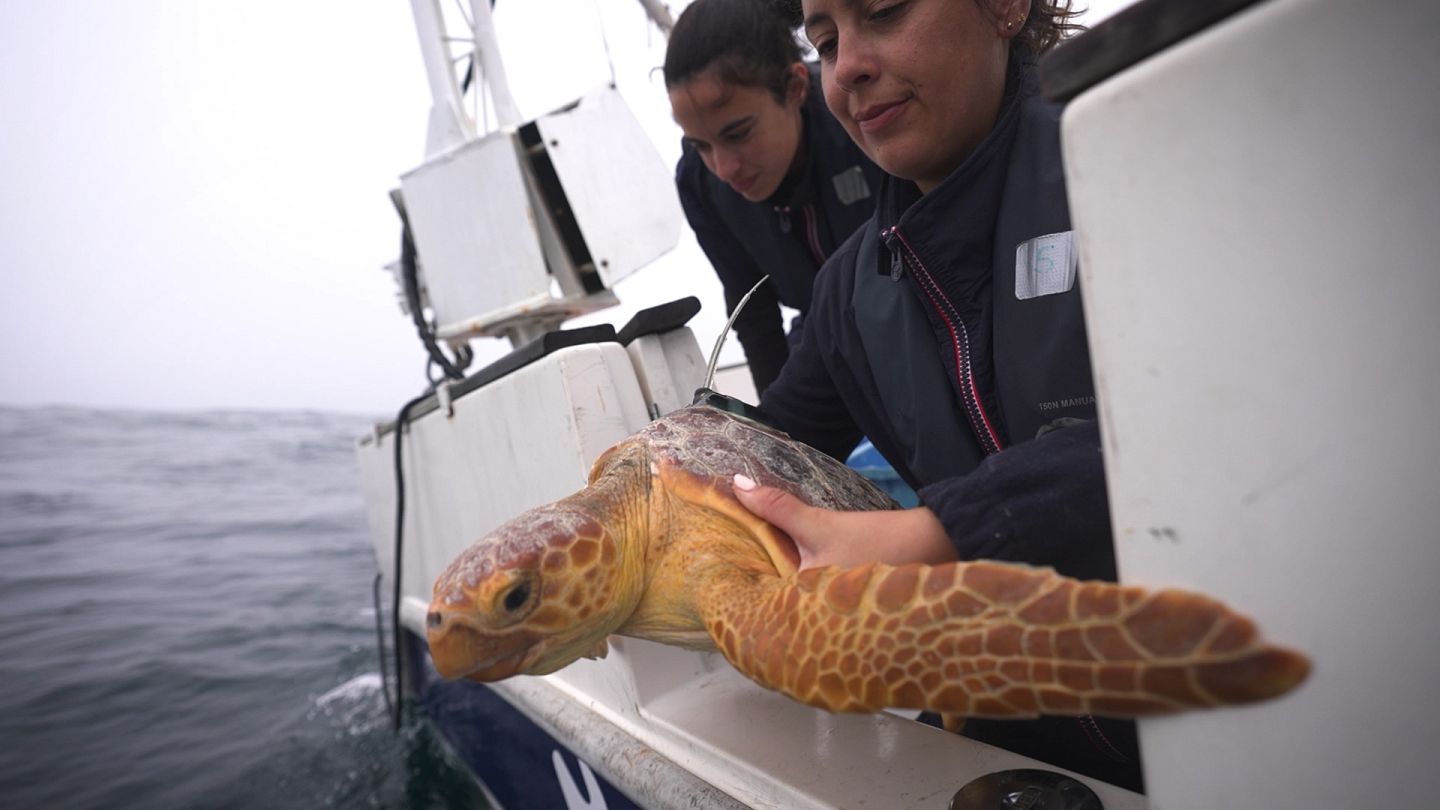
point(989, 441)
point(904, 254)
point(812, 232)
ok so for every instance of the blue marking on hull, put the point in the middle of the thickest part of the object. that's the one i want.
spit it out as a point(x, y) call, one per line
point(512, 756)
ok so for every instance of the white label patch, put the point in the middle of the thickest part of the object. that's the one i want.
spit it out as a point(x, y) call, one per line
point(1045, 265)
point(850, 186)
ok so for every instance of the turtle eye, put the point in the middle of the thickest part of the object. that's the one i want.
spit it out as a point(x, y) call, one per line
point(517, 597)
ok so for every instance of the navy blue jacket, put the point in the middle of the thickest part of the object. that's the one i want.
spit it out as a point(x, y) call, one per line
point(949, 330)
point(788, 237)
point(918, 338)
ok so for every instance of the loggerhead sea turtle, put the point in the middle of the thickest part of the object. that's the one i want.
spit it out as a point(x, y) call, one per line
point(657, 547)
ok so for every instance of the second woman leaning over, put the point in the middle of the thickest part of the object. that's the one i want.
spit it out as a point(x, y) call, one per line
point(770, 182)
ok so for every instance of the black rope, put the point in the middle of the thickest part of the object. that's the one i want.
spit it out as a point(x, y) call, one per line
point(410, 276)
point(400, 422)
point(380, 646)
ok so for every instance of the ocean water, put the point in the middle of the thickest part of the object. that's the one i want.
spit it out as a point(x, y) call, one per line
point(186, 618)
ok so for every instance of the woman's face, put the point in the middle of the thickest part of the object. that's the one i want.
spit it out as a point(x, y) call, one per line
point(745, 137)
point(916, 83)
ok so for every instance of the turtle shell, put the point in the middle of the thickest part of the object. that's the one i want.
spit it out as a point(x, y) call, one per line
point(714, 445)
point(695, 453)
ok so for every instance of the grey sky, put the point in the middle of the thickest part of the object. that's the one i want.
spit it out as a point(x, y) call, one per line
point(193, 207)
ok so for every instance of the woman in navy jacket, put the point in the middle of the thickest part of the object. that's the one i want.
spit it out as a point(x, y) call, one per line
point(949, 329)
point(770, 182)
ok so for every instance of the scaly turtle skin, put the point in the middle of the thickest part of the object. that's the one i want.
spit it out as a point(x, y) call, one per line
point(657, 547)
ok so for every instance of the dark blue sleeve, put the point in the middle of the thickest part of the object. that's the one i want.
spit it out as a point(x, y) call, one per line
point(1042, 502)
point(805, 400)
point(760, 328)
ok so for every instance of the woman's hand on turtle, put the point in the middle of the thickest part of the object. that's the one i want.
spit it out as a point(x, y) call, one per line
point(827, 537)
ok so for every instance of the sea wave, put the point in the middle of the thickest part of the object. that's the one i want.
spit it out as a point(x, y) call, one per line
point(361, 687)
point(189, 616)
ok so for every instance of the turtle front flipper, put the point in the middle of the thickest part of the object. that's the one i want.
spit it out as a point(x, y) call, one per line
point(985, 639)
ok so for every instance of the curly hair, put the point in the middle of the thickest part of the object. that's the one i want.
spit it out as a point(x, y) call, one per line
point(1048, 22)
point(1047, 25)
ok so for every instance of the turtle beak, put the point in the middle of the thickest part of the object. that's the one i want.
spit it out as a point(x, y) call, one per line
point(459, 650)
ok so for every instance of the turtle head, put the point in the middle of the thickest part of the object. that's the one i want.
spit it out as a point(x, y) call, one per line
point(534, 595)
